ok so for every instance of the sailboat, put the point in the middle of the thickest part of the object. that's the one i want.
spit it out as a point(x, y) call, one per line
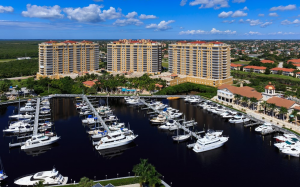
point(2, 172)
point(181, 138)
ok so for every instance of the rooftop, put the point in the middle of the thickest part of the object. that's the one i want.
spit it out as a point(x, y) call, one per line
point(245, 91)
point(255, 67)
point(235, 65)
point(283, 69)
point(125, 41)
point(294, 61)
point(280, 102)
point(267, 61)
point(68, 42)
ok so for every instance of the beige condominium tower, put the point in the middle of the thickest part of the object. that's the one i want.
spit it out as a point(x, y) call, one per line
point(134, 56)
point(200, 62)
point(57, 59)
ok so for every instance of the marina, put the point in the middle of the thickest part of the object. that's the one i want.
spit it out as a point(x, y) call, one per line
point(152, 143)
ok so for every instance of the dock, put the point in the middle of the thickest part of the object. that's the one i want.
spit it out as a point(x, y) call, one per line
point(99, 118)
point(36, 117)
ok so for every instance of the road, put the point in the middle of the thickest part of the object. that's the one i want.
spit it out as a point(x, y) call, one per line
point(17, 78)
point(280, 65)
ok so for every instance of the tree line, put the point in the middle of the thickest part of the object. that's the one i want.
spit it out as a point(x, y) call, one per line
point(14, 49)
point(18, 68)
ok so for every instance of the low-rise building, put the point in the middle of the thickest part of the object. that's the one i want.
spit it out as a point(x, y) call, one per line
point(297, 66)
point(256, 69)
point(90, 84)
point(235, 66)
point(267, 61)
point(298, 75)
point(281, 102)
point(285, 71)
point(294, 61)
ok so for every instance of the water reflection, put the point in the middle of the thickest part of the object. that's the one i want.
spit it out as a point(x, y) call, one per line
point(40, 150)
point(115, 152)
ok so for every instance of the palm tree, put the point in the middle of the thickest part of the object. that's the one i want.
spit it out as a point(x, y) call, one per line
point(39, 184)
point(18, 90)
point(245, 100)
point(253, 101)
point(295, 114)
point(264, 104)
point(141, 171)
point(237, 98)
point(272, 106)
point(85, 182)
point(153, 176)
point(283, 111)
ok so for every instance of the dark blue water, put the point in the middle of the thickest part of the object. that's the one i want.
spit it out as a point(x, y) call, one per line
point(246, 159)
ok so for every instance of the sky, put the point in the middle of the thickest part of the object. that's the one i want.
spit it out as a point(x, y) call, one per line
point(150, 19)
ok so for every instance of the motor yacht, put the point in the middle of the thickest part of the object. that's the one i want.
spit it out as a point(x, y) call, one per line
point(209, 142)
point(99, 134)
point(18, 123)
point(110, 118)
point(194, 100)
point(294, 151)
point(181, 138)
point(265, 126)
point(286, 137)
point(213, 107)
point(47, 177)
point(27, 109)
point(160, 106)
point(86, 112)
point(219, 109)
point(3, 175)
point(116, 126)
point(39, 141)
point(187, 98)
point(45, 111)
point(287, 144)
point(90, 120)
point(239, 118)
point(201, 105)
point(167, 125)
point(228, 114)
point(174, 115)
point(115, 140)
point(22, 116)
point(160, 119)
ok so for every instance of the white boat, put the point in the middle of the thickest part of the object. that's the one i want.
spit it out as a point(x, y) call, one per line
point(39, 141)
point(18, 123)
point(160, 106)
point(239, 118)
point(194, 100)
point(187, 98)
point(45, 111)
point(19, 116)
point(287, 144)
point(294, 151)
point(110, 118)
point(47, 177)
point(87, 112)
point(201, 105)
point(22, 128)
point(287, 137)
point(115, 140)
point(27, 109)
point(181, 138)
point(174, 115)
point(3, 175)
point(228, 114)
point(133, 101)
point(212, 107)
point(160, 119)
point(99, 134)
point(116, 126)
point(209, 142)
point(167, 125)
point(265, 126)
point(90, 120)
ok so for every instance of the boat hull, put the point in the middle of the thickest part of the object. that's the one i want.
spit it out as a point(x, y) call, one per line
point(199, 149)
point(51, 141)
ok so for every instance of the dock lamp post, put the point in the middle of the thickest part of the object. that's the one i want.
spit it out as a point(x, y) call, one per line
point(117, 175)
point(106, 176)
point(95, 177)
point(128, 173)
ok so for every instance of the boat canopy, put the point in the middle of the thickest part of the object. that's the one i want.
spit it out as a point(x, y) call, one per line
point(90, 116)
point(287, 142)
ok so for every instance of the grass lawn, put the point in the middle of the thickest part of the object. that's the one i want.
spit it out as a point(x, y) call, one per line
point(16, 82)
point(6, 60)
point(115, 182)
point(165, 64)
point(242, 62)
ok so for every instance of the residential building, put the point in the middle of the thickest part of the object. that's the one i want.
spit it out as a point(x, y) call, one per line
point(134, 56)
point(281, 102)
point(285, 71)
point(90, 84)
point(256, 69)
point(57, 59)
point(267, 61)
point(235, 66)
point(298, 75)
point(294, 61)
point(297, 66)
point(201, 62)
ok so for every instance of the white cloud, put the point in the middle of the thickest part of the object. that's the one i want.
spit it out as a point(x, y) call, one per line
point(283, 8)
point(225, 14)
point(4, 9)
point(228, 21)
point(261, 15)
point(282, 33)
point(273, 14)
point(253, 33)
point(162, 26)
point(254, 22)
point(144, 16)
point(181, 28)
point(92, 13)
point(239, 13)
point(239, 1)
point(216, 4)
point(287, 22)
point(98, 0)
point(7, 24)
point(245, 8)
point(183, 2)
point(46, 12)
point(241, 21)
point(266, 24)
point(131, 15)
point(213, 31)
point(129, 21)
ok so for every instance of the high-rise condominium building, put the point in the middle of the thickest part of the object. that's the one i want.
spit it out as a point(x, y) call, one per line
point(57, 59)
point(134, 56)
point(200, 62)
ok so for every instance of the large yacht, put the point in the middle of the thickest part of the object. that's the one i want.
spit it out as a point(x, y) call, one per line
point(265, 126)
point(228, 114)
point(27, 108)
point(239, 118)
point(209, 142)
point(22, 116)
point(167, 125)
point(115, 140)
point(294, 151)
point(52, 177)
point(160, 119)
point(39, 141)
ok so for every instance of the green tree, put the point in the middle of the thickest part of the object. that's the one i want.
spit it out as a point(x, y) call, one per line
point(272, 106)
point(295, 114)
point(237, 98)
point(253, 101)
point(245, 100)
point(264, 105)
point(141, 171)
point(267, 72)
point(283, 111)
point(153, 176)
point(18, 89)
point(85, 182)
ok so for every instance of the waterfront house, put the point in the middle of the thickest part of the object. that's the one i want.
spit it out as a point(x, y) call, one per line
point(267, 61)
point(285, 71)
point(256, 69)
point(235, 66)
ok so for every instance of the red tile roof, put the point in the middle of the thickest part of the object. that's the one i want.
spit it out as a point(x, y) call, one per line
point(235, 65)
point(86, 42)
point(270, 86)
point(198, 42)
point(294, 61)
point(255, 67)
point(245, 91)
point(297, 65)
point(69, 41)
point(267, 61)
point(174, 75)
point(50, 42)
point(281, 102)
point(283, 69)
point(297, 108)
point(89, 83)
